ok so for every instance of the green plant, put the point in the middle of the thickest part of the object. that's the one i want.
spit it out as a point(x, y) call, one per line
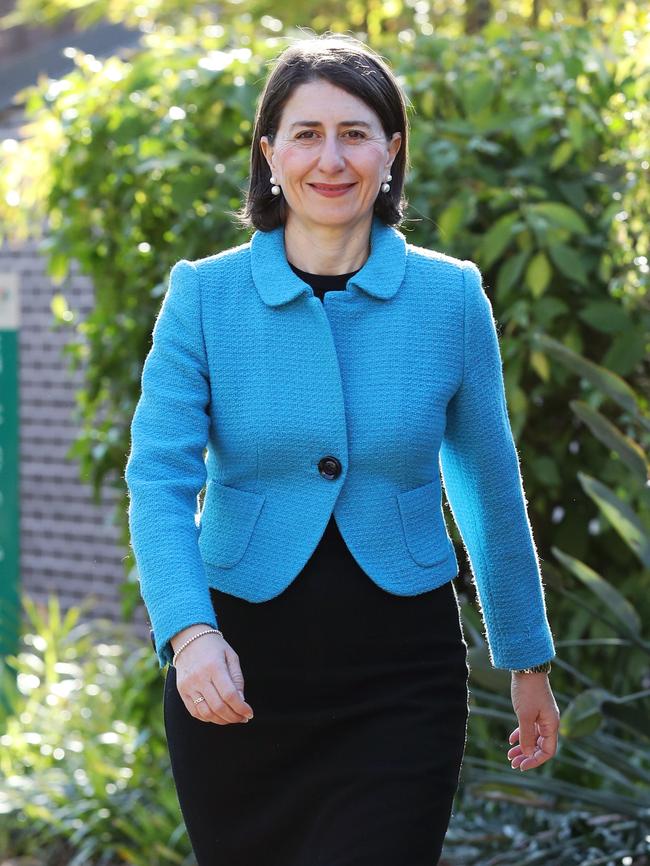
point(591, 803)
point(84, 765)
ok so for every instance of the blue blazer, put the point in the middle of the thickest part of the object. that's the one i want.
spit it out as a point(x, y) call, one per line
point(356, 406)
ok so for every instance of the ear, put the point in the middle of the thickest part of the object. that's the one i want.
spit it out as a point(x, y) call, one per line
point(267, 150)
point(395, 144)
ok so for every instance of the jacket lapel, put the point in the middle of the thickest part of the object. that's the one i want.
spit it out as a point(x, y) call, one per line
point(380, 276)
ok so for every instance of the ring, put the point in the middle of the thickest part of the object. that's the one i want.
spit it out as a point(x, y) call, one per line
point(198, 700)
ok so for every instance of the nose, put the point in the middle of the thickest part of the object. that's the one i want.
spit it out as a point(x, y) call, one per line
point(331, 157)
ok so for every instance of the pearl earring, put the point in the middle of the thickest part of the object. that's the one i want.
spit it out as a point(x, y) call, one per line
point(275, 189)
point(385, 187)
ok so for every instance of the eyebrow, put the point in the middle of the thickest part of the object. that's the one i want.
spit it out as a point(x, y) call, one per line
point(342, 123)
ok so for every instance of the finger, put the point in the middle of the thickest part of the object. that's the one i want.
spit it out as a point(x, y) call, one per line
point(527, 735)
point(193, 709)
point(550, 731)
point(535, 760)
point(234, 669)
point(200, 710)
point(210, 709)
point(516, 752)
point(542, 754)
point(221, 713)
point(546, 745)
point(229, 693)
point(513, 738)
point(237, 677)
point(204, 713)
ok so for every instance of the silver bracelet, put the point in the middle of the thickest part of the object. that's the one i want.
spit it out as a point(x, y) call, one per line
point(194, 637)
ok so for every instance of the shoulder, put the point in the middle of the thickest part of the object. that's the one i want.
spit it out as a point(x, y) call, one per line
point(444, 271)
point(224, 273)
point(435, 259)
point(220, 263)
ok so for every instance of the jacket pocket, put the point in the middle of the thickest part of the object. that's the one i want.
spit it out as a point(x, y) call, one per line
point(423, 523)
point(227, 521)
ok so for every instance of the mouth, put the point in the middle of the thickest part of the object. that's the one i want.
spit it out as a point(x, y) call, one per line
point(331, 186)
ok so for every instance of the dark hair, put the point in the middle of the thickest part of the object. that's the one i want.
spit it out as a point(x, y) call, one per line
point(349, 64)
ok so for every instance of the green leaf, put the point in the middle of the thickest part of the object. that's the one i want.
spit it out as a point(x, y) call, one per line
point(606, 316)
point(570, 262)
point(174, 159)
point(584, 715)
point(538, 274)
point(59, 308)
point(510, 273)
point(616, 604)
point(627, 449)
point(560, 215)
point(620, 516)
point(539, 363)
point(58, 265)
point(477, 92)
point(561, 154)
point(451, 219)
point(546, 470)
point(628, 349)
point(606, 381)
point(549, 308)
point(497, 239)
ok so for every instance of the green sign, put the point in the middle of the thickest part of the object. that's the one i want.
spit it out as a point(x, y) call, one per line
point(9, 477)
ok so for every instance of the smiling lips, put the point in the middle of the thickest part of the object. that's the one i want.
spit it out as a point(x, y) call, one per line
point(328, 190)
point(331, 186)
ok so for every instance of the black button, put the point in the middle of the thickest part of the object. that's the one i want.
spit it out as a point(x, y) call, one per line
point(329, 467)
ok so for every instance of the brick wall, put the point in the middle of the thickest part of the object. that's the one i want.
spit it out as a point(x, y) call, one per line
point(69, 545)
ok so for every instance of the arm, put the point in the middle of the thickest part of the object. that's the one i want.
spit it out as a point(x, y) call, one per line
point(165, 470)
point(483, 484)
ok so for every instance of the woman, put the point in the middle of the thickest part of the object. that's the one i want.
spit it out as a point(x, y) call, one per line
point(332, 369)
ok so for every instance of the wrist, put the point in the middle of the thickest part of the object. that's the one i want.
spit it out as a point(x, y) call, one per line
point(180, 637)
point(528, 674)
point(543, 668)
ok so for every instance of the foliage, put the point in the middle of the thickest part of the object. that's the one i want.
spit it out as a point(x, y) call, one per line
point(400, 19)
point(505, 833)
point(84, 766)
point(530, 157)
point(86, 774)
point(591, 803)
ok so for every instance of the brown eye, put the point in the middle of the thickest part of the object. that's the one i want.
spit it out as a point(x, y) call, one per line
point(310, 132)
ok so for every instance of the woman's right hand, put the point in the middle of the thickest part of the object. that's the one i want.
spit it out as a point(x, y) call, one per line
point(209, 667)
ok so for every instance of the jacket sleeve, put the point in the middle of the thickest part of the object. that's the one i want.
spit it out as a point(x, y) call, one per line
point(165, 470)
point(483, 484)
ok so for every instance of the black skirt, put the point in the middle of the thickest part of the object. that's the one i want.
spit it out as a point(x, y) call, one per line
point(361, 707)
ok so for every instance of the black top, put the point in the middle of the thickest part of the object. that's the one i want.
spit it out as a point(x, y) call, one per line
point(331, 552)
point(322, 283)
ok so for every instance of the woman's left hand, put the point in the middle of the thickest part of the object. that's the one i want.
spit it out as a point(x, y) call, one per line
point(539, 721)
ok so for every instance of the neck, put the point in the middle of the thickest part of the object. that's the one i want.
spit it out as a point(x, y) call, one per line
point(327, 249)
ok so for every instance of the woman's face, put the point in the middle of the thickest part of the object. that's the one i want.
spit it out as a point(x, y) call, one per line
point(328, 136)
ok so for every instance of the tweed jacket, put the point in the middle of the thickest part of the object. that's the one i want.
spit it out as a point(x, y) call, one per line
point(281, 409)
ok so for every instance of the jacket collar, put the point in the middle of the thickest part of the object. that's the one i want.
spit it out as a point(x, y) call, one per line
point(380, 276)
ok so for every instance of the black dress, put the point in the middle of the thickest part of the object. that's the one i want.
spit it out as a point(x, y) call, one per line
point(361, 706)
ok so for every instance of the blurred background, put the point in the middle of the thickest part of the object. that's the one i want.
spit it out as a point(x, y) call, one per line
point(125, 135)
